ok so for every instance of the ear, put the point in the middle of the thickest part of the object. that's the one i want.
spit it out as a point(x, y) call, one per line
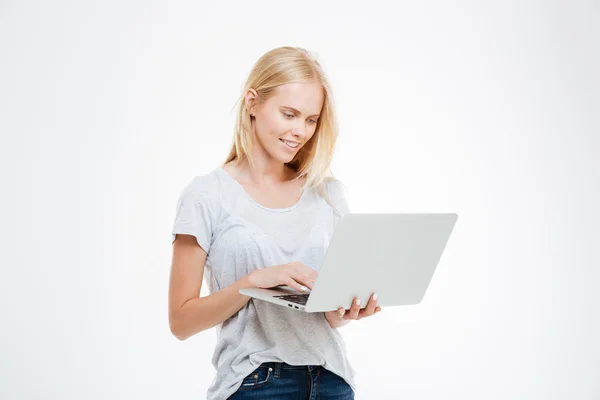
point(251, 100)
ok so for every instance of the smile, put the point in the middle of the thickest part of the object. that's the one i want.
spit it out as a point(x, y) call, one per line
point(292, 145)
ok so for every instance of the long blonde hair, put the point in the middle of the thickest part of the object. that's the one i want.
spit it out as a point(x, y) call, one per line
point(278, 67)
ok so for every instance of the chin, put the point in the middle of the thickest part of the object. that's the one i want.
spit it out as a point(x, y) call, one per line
point(285, 158)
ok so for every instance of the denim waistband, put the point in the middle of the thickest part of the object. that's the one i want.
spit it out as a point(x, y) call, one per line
point(278, 366)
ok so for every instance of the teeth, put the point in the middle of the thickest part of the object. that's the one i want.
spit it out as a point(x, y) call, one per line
point(291, 144)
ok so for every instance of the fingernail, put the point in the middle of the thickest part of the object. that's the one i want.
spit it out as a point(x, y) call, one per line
point(303, 288)
point(374, 297)
point(342, 312)
point(357, 302)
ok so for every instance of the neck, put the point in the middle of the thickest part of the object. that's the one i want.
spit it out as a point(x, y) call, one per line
point(264, 172)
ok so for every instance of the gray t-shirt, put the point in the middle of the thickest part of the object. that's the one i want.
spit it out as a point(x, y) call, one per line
point(240, 235)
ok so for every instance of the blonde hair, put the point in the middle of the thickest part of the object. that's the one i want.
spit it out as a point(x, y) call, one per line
point(278, 67)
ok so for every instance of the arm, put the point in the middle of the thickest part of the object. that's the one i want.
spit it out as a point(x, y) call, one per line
point(190, 314)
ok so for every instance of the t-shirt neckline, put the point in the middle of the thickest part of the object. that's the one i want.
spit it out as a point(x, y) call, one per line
point(247, 195)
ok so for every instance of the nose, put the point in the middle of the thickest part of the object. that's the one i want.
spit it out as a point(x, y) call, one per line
point(299, 131)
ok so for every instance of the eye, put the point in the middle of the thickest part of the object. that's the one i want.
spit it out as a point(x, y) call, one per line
point(313, 121)
point(288, 115)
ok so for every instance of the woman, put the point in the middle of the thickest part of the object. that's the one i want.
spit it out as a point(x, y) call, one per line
point(264, 219)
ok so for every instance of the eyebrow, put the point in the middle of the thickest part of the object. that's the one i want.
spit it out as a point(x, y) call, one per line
point(298, 112)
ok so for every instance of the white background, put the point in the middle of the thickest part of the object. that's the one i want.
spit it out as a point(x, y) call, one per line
point(490, 110)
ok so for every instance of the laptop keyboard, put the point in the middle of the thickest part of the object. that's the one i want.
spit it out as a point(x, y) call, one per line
point(294, 298)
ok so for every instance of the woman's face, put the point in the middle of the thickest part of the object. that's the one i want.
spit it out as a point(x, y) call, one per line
point(290, 115)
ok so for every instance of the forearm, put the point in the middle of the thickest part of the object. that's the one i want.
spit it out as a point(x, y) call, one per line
point(202, 313)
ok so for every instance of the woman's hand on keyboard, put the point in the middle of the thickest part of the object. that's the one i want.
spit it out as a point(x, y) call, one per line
point(294, 274)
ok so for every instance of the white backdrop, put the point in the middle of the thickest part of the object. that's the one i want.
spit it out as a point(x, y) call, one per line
point(488, 110)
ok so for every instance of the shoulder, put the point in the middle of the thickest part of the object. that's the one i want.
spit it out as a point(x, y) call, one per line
point(206, 187)
point(338, 194)
point(335, 187)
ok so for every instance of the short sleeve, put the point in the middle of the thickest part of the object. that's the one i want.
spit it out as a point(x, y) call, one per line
point(338, 195)
point(195, 213)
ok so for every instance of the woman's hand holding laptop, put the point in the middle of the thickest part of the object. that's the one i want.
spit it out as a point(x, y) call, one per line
point(336, 318)
point(300, 277)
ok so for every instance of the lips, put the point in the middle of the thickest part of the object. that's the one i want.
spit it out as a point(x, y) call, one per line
point(287, 140)
point(290, 147)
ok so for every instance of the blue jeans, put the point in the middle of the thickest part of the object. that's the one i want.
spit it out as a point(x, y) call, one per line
point(277, 381)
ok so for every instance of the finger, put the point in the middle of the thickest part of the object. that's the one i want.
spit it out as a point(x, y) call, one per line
point(370, 309)
point(341, 311)
point(299, 281)
point(296, 285)
point(354, 310)
point(306, 282)
point(304, 277)
point(377, 309)
point(309, 278)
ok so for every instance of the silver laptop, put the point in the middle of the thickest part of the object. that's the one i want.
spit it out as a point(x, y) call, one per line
point(393, 255)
